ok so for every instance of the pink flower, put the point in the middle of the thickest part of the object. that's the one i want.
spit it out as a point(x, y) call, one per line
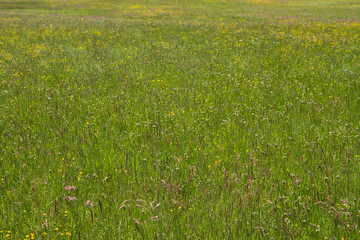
point(69, 198)
point(45, 224)
point(68, 188)
point(89, 203)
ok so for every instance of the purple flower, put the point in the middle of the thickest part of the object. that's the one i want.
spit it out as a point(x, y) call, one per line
point(45, 224)
point(68, 188)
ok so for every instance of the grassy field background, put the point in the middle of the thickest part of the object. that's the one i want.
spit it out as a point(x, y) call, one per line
point(179, 119)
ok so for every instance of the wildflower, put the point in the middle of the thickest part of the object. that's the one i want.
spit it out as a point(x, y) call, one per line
point(69, 198)
point(68, 188)
point(89, 203)
point(45, 224)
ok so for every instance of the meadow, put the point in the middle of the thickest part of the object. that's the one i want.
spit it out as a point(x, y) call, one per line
point(179, 119)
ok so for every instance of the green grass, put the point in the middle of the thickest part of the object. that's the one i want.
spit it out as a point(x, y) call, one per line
point(179, 119)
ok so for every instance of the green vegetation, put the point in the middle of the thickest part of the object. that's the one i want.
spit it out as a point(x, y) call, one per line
point(179, 119)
